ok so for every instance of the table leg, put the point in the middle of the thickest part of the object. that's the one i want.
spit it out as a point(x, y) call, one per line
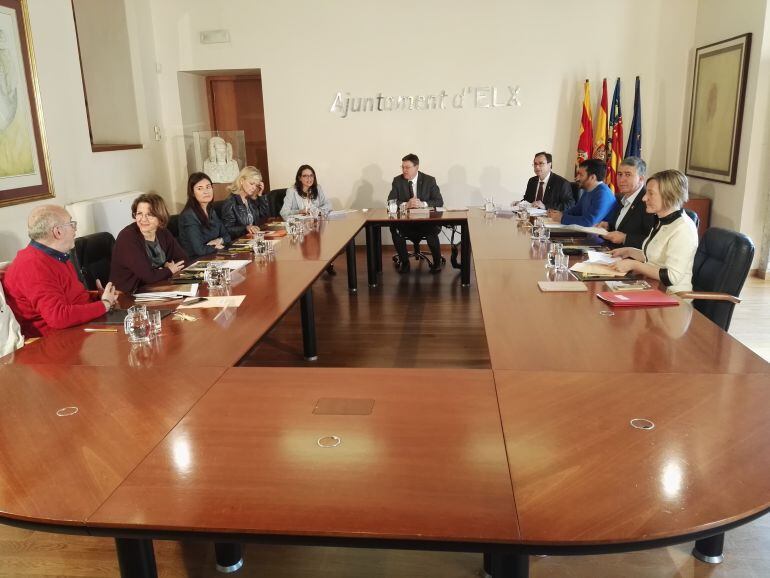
point(136, 558)
point(709, 550)
point(465, 255)
point(308, 325)
point(371, 268)
point(510, 566)
point(378, 245)
point(229, 557)
point(487, 565)
point(350, 253)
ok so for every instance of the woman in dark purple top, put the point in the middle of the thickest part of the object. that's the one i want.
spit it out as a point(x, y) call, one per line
point(145, 251)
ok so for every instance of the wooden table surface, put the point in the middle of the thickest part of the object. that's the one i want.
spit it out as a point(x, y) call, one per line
point(582, 475)
point(219, 337)
point(428, 462)
point(536, 451)
point(59, 469)
point(528, 329)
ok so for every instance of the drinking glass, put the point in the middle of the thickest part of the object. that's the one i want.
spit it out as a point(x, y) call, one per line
point(392, 207)
point(562, 263)
point(137, 324)
point(155, 321)
point(214, 275)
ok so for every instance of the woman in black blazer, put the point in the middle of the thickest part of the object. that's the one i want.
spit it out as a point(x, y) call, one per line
point(201, 231)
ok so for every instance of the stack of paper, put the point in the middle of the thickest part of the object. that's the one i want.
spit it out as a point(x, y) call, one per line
point(601, 258)
point(183, 291)
point(578, 228)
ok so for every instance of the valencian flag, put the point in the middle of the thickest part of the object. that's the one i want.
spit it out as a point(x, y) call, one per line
point(634, 146)
point(615, 140)
point(586, 139)
point(600, 135)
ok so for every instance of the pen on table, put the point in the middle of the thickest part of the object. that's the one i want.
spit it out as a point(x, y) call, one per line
point(194, 301)
point(101, 329)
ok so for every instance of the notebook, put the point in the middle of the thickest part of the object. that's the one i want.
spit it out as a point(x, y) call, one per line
point(649, 298)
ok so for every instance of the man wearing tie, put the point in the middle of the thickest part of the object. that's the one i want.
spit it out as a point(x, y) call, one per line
point(547, 190)
point(630, 223)
point(417, 190)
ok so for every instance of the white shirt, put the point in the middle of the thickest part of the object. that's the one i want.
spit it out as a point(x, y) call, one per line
point(414, 189)
point(627, 202)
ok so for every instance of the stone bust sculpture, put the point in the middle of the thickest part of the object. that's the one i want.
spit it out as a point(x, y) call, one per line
point(220, 166)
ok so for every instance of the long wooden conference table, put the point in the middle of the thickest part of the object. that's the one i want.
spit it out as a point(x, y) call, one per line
point(537, 455)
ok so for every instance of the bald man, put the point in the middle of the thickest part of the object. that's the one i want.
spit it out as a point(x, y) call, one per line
point(41, 284)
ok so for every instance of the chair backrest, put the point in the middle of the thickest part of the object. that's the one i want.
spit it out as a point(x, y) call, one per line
point(721, 265)
point(173, 225)
point(217, 206)
point(275, 201)
point(94, 254)
point(693, 216)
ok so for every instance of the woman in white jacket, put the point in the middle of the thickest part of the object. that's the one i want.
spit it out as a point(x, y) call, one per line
point(305, 193)
point(668, 252)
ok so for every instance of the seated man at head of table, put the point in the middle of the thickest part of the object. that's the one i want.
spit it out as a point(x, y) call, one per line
point(547, 190)
point(597, 200)
point(629, 223)
point(41, 284)
point(417, 190)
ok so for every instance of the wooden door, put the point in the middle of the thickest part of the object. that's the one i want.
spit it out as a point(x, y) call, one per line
point(235, 103)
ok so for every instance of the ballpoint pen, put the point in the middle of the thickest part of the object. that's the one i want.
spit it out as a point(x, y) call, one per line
point(100, 329)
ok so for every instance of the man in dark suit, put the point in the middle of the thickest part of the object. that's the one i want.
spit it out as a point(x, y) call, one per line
point(547, 190)
point(629, 223)
point(417, 190)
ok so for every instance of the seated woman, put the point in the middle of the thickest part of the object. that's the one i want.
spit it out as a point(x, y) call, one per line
point(245, 206)
point(305, 193)
point(145, 251)
point(668, 252)
point(201, 231)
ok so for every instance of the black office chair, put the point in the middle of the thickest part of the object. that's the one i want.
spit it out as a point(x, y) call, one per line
point(275, 201)
point(173, 225)
point(94, 254)
point(416, 253)
point(721, 266)
point(217, 206)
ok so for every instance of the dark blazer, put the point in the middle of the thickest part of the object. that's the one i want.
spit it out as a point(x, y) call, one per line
point(558, 193)
point(193, 235)
point(427, 190)
point(131, 267)
point(235, 217)
point(637, 223)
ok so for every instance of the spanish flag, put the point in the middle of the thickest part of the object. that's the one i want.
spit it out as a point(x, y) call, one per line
point(600, 135)
point(586, 138)
point(615, 145)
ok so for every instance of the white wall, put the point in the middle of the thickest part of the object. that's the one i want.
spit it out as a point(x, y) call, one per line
point(77, 173)
point(307, 51)
point(742, 206)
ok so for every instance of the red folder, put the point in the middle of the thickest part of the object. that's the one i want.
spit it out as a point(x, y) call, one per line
point(647, 298)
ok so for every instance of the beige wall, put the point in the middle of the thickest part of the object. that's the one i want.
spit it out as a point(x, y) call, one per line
point(77, 173)
point(307, 51)
point(741, 206)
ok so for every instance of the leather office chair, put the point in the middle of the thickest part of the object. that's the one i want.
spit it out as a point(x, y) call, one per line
point(721, 266)
point(275, 201)
point(217, 206)
point(94, 254)
point(417, 254)
point(173, 225)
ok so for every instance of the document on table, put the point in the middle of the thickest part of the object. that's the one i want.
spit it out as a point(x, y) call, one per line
point(232, 264)
point(533, 212)
point(215, 302)
point(190, 290)
point(559, 286)
point(596, 270)
point(601, 258)
point(578, 228)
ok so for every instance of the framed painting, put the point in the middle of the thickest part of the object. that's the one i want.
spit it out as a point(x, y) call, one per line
point(24, 171)
point(716, 110)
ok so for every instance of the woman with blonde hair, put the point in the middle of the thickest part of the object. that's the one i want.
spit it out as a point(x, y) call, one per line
point(245, 207)
point(668, 252)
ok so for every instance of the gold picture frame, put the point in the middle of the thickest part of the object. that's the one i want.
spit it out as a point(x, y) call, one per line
point(716, 109)
point(25, 173)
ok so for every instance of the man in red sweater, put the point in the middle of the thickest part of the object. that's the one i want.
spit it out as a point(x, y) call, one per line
point(41, 284)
